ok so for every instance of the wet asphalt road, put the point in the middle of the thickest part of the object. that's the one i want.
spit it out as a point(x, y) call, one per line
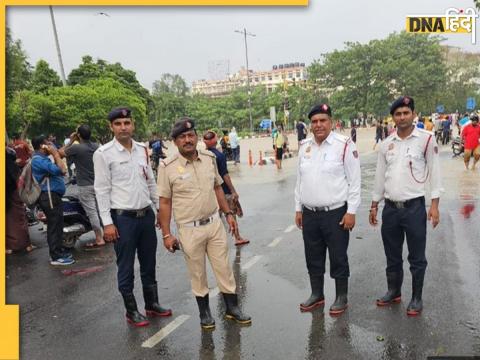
point(81, 316)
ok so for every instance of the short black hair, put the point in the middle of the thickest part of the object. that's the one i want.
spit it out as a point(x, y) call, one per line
point(37, 141)
point(84, 132)
point(16, 136)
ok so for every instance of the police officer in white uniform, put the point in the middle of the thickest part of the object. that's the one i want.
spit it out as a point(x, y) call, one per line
point(407, 161)
point(327, 195)
point(126, 192)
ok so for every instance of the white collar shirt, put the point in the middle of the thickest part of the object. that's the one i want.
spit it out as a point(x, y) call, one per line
point(328, 174)
point(406, 166)
point(123, 179)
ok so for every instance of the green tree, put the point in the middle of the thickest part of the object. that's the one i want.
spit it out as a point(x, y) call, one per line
point(462, 84)
point(18, 69)
point(62, 109)
point(170, 83)
point(169, 97)
point(367, 77)
point(44, 78)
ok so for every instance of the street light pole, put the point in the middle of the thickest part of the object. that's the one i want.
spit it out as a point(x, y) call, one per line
point(62, 72)
point(244, 32)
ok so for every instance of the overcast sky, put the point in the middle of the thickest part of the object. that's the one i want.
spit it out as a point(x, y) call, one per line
point(179, 40)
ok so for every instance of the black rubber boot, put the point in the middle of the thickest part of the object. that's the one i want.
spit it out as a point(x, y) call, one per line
point(416, 304)
point(341, 299)
point(206, 319)
point(394, 293)
point(317, 298)
point(233, 312)
point(133, 316)
point(152, 307)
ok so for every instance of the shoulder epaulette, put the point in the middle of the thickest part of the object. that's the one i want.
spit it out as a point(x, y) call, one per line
point(207, 152)
point(342, 138)
point(426, 132)
point(105, 146)
point(169, 160)
point(305, 141)
point(140, 143)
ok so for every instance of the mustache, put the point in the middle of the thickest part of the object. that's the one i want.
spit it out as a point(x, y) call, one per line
point(188, 143)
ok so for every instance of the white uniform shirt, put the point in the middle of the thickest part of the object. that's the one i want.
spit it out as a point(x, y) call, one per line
point(325, 177)
point(396, 179)
point(123, 180)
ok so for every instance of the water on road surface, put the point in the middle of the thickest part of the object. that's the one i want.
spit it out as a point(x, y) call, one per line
point(79, 313)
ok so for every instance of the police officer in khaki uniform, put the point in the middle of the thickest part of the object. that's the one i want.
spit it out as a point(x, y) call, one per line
point(407, 161)
point(126, 192)
point(189, 184)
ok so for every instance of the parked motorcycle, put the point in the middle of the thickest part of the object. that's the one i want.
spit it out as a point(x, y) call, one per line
point(75, 220)
point(457, 146)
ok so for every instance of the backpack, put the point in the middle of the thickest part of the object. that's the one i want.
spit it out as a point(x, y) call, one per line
point(27, 186)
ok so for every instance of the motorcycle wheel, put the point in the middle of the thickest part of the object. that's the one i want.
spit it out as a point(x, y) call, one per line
point(456, 150)
point(69, 241)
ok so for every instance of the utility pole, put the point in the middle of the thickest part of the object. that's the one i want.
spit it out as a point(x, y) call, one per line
point(62, 72)
point(244, 32)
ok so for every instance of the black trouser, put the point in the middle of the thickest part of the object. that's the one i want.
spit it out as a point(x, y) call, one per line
point(412, 222)
point(446, 137)
point(54, 223)
point(321, 231)
point(136, 235)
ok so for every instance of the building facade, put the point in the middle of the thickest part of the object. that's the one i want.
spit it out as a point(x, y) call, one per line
point(291, 74)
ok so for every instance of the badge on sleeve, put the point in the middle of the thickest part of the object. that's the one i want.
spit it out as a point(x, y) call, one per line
point(308, 149)
point(355, 154)
point(391, 146)
point(435, 149)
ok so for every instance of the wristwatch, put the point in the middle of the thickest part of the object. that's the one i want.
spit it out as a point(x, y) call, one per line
point(229, 213)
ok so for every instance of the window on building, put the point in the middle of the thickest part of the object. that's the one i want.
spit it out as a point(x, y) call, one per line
point(290, 75)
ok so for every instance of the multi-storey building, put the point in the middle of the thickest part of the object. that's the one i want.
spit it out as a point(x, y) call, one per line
point(292, 73)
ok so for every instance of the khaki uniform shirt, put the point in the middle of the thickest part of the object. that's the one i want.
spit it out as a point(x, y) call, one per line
point(190, 185)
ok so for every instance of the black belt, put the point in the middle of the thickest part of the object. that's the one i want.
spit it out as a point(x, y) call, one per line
point(404, 204)
point(133, 213)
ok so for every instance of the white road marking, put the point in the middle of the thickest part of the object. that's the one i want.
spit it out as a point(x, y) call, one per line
point(275, 242)
point(252, 262)
point(163, 333)
point(290, 228)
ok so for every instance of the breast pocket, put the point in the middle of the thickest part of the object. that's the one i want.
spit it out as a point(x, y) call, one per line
point(416, 163)
point(305, 165)
point(183, 183)
point(143, 168)
point(333, 164)
point(390, 156)
point(121, 170)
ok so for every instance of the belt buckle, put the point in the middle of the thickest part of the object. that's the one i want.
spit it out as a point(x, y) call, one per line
point(204, 221)
point(141, 213)
point(399, 204)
